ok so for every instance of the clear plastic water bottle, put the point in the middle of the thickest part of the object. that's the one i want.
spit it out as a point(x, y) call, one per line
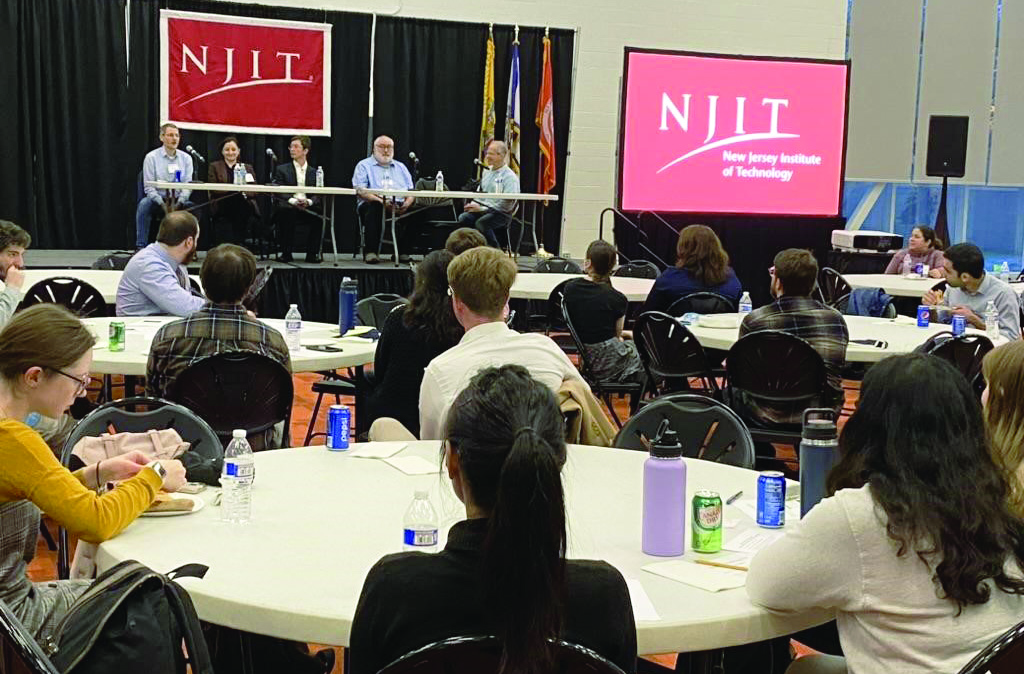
point(907, 266)
point(420, 524)
point(236, 479)
point(239, 174)
point(746, 306)
point(319, 176)
point(439, 181)
point(991, 320)
point(1005, 271)
point(293, 328)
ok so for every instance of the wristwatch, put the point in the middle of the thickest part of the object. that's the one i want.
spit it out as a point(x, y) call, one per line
point(159, 469)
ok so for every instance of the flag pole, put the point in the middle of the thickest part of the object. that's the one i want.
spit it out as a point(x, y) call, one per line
point(541, 253)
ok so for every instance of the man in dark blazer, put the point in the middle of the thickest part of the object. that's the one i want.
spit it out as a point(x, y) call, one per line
point(300, 208)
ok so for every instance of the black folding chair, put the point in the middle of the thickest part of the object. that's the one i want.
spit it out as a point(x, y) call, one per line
point(374, 309)
point(965, 353)
point(238, 390)
point(832, 287)
point(75, 294)
point(19, 651)
point(671, 355)
point(707, 428)
point(638, 269)
point(557, 265)
point(482, 655)
point(116, 260)
point(1005, 655)
point(703, 302)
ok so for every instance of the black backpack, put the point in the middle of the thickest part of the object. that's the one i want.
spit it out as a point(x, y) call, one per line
point(132, 620)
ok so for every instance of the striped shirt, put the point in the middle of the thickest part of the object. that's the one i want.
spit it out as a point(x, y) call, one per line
point(216, 328)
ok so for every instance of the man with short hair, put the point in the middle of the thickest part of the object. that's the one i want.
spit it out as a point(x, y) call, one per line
point(795, 312)
point(163, 163)
point(971, 289)
point(222, 325)
point(299, 210)
point(479, 282)
point(487, 215)
point(379, 171)
point(13, 242)
point(463, 239)
point(155, 280)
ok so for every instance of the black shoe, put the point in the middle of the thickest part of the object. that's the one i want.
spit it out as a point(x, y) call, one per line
point(326, 656)
point(284, 257)
point(314, 259)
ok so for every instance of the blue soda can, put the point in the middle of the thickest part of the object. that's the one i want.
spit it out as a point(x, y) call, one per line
point(919, 269)
point(339, 420)
point(771, 499)
point(923, 313)
point(959, 325)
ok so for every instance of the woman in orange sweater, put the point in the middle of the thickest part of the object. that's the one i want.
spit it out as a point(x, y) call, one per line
point(45, 355)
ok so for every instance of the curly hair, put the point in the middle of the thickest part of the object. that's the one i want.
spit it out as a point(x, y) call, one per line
point(918, 439)
point(429, 306)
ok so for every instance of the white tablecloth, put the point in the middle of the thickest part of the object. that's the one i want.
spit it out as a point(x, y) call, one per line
point(902, 286)
point(539, 286)
point(321, 519)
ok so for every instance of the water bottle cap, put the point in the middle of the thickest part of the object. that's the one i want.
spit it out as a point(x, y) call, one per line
point(820, 429)
point(238, 433)
point(293, 306)
point(421, 493)
point(668, 446)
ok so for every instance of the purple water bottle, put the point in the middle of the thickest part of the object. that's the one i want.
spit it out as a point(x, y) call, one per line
point(348, 294)
point(664, 527)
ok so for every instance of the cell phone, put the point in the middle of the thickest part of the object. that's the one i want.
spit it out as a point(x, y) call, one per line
point(877, 343)
point(192, 488)
point(326, 348)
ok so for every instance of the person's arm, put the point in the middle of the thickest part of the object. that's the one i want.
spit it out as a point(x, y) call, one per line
point(382, 356)
point(938, 260)
point(361, 181)
point(186, 176)
point(149, 174)
point(895, 262)
point(161, 286)
point(432, 406)
point(1008, 305)
point(10, 296)
point(511, 186)
point(815, 564)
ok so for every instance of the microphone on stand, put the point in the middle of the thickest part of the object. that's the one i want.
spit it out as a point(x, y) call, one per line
point(273, 157)
point(192, 151)
point(415, 165)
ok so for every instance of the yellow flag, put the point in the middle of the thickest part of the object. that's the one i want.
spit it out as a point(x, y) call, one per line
point(487, 121)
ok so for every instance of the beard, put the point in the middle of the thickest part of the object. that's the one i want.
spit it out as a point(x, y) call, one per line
point(190, 258)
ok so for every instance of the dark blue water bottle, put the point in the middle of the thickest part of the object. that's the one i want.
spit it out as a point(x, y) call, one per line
point(348, 294)
point(819, 451)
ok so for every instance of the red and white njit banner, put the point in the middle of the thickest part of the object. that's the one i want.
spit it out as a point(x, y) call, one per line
point(231, 73)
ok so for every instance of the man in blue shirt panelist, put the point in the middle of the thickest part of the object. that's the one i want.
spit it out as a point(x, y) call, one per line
point(164, 163)
point(156, 281)
point(487, 215)
point(379, 171)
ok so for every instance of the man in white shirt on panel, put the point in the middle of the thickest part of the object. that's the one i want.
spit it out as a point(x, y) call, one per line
point(301, 208)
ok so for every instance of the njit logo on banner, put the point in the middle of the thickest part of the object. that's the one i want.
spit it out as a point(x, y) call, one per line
point(227, 73)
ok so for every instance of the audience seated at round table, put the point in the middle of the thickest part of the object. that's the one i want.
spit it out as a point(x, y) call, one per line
point(702, 265)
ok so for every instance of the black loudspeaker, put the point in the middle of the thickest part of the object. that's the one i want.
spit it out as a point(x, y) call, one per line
point(947, 146)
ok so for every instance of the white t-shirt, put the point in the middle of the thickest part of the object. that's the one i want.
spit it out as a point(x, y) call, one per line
point(487, 345)
point(889, 613)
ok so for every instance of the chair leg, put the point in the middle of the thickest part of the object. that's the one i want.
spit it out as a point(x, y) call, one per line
point(50, 543)
point(312, 420)
point(611, 408)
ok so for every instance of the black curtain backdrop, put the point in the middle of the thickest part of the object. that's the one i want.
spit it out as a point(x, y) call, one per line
point(428, 96)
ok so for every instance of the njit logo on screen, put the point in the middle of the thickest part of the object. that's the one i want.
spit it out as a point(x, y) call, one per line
point(674, 119)
point(217, 70)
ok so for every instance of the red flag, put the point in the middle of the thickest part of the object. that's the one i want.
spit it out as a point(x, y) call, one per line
point(545, 121)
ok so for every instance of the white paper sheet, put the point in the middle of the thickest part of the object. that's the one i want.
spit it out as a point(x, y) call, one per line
point(643, 607)
point(709, 578)
point(751, 540)
point(376, 450)
point(414, 465)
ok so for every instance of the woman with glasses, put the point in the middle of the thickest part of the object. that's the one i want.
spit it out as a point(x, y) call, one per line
point(45, 354)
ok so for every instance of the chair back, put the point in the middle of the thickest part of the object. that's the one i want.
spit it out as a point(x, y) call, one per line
point(238, 390)
point(965, 353)
point(19, 651)
point(669, 350)
point(776, 367)
point(707, 428)
point(555, 321)
point(482, 655)
point(638, 269)
point(703, 302)
point(1005, 655)
point(557, 265)
point(586, 369)
point(832, 287)
point(75, 294)
point(117, 260)
point(374, 309)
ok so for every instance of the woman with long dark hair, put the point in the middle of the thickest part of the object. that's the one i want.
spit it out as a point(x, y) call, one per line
point(412, 336)
point(917, 549)
point(924, 248)
point(702, 265)
point(503, 571)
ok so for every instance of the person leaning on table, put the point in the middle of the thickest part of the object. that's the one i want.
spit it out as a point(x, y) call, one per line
point(156, 281)
point(916, 549)
point(45, 354)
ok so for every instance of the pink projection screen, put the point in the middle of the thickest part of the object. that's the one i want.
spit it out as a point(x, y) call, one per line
point(709, 133)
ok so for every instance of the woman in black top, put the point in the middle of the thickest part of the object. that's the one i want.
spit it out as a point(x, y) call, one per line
point(412, 336)
point(598, 311)
point(503, 571)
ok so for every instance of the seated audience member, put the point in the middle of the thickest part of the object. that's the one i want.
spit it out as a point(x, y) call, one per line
point(462, 239)
point(379, 171)
point(45, 354)
point(155, 280)
point(221, 326)
point(598, 312)
point(1003, 400)
point(13, 242)
point(487, 215)
point(412, 336)
point(231, 212)
point(504, 450)
point(924, 248)
point(971, 289)
point(164, 164)
point(479, 281)
point(299, 209)
point(916, 549)
point(794, 311)
point(702, 265)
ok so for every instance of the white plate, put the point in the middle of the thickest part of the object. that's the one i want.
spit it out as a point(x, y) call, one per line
point(723, 321)
point(197, 505)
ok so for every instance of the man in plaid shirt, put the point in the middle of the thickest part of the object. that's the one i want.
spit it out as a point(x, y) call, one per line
point(795, 312)
point(221, 326)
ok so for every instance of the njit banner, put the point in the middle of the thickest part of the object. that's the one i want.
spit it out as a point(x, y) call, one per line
point(229, 73)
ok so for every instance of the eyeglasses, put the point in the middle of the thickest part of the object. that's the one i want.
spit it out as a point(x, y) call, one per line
point(83, 382)
point(451, 293)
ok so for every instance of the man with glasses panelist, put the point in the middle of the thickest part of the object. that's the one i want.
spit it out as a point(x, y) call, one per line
point(379, 171)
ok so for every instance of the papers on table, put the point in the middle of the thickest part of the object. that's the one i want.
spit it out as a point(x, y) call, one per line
point(377, 450)
point(709, 578)
point(751, 540)
point(414, 465)
point(643, 607)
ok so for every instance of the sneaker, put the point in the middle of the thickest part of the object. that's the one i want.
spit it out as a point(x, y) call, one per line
point(371, 258)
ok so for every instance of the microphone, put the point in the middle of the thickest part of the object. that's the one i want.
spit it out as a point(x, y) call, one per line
point(273, 157)
point(412, 155)
point(192, 151)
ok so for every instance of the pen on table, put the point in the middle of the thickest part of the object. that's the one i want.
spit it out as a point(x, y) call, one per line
point(732, 499)
point(722, 565)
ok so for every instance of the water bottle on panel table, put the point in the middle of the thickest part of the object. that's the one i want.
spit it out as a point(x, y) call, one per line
point(319, 176)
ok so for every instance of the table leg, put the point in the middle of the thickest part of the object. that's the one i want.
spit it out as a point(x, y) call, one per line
point(394, 235)
point(334, 240)
point(361, 409)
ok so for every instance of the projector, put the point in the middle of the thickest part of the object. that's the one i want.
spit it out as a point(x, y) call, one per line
point(866, 241)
